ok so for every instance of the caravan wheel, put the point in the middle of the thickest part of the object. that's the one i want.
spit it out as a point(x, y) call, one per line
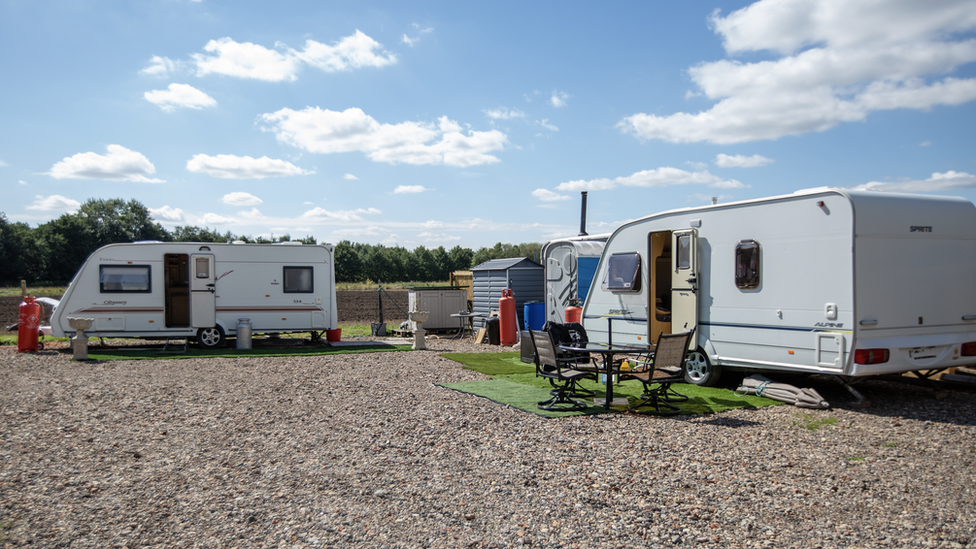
point(211, 338)
point(699, 371)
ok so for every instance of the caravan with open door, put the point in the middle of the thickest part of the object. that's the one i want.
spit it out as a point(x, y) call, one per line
point(832, 281)
point(201, 290)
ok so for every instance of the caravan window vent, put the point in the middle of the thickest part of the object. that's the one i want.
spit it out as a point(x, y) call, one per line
point(124, 279)
point(623, 273)
point(747, 265)
point(298, 280)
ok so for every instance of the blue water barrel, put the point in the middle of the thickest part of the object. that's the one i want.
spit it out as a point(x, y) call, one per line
point(534, 313)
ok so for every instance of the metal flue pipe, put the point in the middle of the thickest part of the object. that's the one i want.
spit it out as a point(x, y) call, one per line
point(583, 216)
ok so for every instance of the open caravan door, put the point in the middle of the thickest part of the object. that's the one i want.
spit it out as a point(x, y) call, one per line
point(684, 282)
point(203, 310)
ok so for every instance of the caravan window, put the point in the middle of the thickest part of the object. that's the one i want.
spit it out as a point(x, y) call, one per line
point(623, 273)
point(298, 280)
point(124, 278)
point(747, 265)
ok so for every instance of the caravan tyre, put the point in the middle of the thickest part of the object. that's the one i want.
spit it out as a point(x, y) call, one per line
point(211, 338)
point(699, 371)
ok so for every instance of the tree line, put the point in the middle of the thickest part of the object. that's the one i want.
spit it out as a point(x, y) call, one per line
point(52, 252)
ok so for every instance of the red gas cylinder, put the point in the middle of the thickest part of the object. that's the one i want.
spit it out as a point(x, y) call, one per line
point(573, 314)
point(507, 330)
point(29, 322)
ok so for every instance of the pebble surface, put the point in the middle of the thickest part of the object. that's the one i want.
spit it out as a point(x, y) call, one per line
point(369, 451)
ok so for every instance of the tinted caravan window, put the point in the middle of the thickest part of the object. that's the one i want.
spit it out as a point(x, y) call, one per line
point(747, 265)
point(124, 278)
point(623, 273)
point(298, 280)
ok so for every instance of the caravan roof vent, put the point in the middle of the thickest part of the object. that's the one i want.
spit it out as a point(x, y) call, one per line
point(238, 242)
point(288, 243)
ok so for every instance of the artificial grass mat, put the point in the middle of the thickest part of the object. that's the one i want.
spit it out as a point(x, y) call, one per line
point(514, 383)
point(123, 353)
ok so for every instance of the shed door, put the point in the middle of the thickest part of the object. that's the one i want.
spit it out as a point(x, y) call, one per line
point(203, 310)
point(684, 282)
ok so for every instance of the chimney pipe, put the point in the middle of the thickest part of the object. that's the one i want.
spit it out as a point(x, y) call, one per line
point(583, 216)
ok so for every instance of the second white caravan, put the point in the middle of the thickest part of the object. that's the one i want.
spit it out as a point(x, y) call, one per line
point(201, 290)
point(834, 281)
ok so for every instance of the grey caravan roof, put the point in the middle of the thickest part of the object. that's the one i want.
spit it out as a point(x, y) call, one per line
point(524, 277)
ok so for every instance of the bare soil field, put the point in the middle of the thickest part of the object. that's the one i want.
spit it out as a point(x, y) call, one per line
point(354, 307)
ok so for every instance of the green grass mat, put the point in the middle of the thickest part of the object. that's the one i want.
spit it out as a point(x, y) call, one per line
point(516, 385)
point(157, 354)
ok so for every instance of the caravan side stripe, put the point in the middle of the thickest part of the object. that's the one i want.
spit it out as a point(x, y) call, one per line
point(728, 325)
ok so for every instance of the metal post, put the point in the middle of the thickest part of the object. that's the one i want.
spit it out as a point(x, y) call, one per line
point(583, 216)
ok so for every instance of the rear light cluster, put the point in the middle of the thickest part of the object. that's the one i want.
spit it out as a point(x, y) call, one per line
point(871, 356)
point(969, 349)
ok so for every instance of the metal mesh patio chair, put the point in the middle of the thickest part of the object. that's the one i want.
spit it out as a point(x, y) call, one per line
point(667, 366)
point(562, 375)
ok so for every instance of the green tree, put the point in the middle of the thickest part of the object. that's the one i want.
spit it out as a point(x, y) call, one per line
point(348, 264)
point(115, 220)
point(196, 234)
point(462, 259)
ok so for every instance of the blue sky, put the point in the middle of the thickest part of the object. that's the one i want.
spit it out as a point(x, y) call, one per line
point(451, 123)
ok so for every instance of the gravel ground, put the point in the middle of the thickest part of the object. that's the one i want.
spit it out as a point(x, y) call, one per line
point(367, 451)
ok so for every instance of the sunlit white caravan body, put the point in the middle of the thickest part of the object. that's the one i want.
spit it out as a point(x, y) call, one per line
point(834, 281)
point(201, 290)
point(570, 265)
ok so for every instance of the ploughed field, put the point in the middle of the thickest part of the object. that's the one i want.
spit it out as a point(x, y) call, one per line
point(355, 307)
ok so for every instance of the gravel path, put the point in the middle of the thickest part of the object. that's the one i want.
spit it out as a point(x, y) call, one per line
point(367, 451)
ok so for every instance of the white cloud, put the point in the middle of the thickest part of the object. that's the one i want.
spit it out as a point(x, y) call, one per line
point(546, 195)
point(410, 41)
point(438, 237)
point(228, 166)
point(161, 67)
point(328, 132)
point(660, 177)
point(252, 214)
point(179, 95)
point(247, 60)
point(545, 124)
point(833, 61)
point(740, 161)
point(166, 213)
point(241, 199)
point(504, 113)
point(948, 181)
point(321, 215)
point(925, 144)
point(357, 232)
point(120, 164)
point(55, 202)
point(21, 182)
point(350, 177)
point(3, 164)
point(215, 219)
point(558, 99)
point(409, 189)
point(352, 52)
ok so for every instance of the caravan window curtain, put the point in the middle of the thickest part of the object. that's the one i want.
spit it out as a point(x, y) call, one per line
point(124, 279)
point(298, 280)
point(623, 273)
point(747, 265)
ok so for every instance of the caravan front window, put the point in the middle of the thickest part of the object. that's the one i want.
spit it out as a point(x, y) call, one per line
point(298, 280)
point(124, 278)
point(747, 265)
point(623, 273)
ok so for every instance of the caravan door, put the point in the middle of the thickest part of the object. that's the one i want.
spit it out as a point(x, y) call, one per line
point(203, 310)
point(684, 282)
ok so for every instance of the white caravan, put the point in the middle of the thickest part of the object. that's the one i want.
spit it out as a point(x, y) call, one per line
point(570, 266)
point(184, 290)
point(830, 281)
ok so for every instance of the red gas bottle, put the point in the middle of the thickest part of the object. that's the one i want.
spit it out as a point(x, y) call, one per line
point(574, 312)
point(29, 322)
point(507, 330)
